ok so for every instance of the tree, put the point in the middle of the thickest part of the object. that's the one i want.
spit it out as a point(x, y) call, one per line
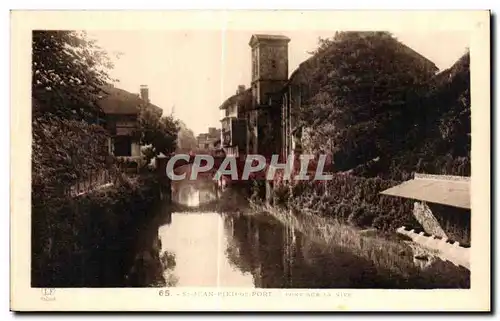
point(367, 90)
point(158, 133)
point(437, 136)
point(68, 71)
point(440, 141)
point(186, 140)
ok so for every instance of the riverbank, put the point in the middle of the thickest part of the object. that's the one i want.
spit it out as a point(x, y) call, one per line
point(86, 240)
point(349, 199)
point(394, 260)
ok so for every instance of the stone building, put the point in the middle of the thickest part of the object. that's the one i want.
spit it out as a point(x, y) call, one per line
point(269, 104)
point(253, 119)
point(269, 76)
point(294, 93)
point(271, 114)
point(234, 122)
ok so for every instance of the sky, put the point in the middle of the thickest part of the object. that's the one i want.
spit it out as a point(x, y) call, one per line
point(191, 72)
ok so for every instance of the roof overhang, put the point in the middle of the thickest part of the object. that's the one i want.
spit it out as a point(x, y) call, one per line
point(440, 189)
point(257, 38)
point(229, 101)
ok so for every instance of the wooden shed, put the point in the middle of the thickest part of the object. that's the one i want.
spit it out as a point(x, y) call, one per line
point(442, 207)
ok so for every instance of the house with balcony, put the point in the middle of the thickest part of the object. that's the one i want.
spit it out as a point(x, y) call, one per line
point(234, 122)
point(121, 113)
point(208, 141)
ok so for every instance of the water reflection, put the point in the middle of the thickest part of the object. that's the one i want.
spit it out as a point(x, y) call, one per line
point(198, 241)
point(227, 248)
point(152, 266)
point(194, 193)
point(213, 241)
point(280, 257)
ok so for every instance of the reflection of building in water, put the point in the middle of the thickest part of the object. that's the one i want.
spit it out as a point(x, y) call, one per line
point(193, 199)
point(206, 196)
point(186, 194)
point(194, 194)
point(266, 250)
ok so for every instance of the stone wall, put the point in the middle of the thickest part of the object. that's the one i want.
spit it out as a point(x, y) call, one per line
point(444, 221)
point(273, 62)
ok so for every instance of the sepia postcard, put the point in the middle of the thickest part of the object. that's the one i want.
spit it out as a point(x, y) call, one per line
point(250, 161)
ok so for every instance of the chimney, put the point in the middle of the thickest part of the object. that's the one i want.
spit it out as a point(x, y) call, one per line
point(145, 92)
point(241, 89)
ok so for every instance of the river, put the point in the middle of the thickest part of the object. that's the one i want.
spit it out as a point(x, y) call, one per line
point(211, 238)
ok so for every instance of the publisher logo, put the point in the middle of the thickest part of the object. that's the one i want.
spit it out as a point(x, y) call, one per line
point(48, 294)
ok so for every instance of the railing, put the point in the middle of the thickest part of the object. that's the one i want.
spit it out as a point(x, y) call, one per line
point(96, 180)
point(226, 124)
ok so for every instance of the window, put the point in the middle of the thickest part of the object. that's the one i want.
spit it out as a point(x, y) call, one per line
point(123, 146)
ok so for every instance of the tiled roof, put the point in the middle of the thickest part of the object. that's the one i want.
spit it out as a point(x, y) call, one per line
point(235, 98)
point(231, 100)
point(117, 101)
point(439, 189)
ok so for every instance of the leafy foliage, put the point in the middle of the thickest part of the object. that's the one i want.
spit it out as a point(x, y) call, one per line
point(64, 152)
point(157, 132)
point(438, 139)
point(365, 85)
point(381, 110)
point(94, 233)
point(68, 144)
point(68, 71)
point(350, 199)
point(186, 140)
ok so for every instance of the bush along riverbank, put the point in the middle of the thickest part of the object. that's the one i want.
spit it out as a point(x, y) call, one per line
point(349, 199)
point(86, 240)
point(348, 213)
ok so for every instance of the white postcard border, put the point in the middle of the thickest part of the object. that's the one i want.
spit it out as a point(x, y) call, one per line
point(23, 297)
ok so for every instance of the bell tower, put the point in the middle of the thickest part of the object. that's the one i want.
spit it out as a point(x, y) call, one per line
point(269, 76)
